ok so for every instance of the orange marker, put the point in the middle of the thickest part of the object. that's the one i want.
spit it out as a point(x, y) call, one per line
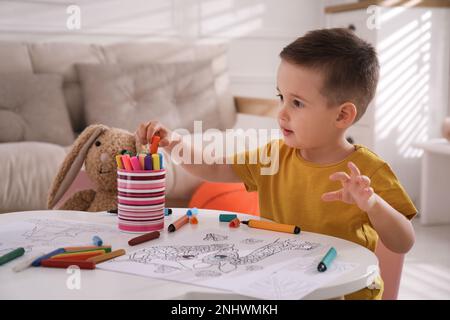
point(266, 225)
point(141, 160)
point(155, 144)
point(78, 255)
point(107, 256)
point(193, 220)
point(178, 224)
point(126, 160)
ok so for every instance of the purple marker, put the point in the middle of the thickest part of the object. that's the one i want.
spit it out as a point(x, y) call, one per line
point(148, 162)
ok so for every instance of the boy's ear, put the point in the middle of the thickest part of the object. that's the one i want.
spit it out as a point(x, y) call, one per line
point(346, 115)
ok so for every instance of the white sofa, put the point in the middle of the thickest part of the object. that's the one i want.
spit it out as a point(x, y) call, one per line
point(29, 163)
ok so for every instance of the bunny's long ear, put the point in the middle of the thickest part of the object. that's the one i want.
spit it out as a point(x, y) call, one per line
point(72, 163)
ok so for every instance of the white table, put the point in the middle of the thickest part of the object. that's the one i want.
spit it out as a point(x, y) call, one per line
point(49, 283)
point(435, 186)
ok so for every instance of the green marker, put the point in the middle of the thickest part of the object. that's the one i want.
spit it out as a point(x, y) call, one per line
point(227, 217)
point(12, 255)
point(325, 263)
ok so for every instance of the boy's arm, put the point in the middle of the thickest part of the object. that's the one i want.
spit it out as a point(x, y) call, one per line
point(394, 229)
point(211, 172)
point(169, 140)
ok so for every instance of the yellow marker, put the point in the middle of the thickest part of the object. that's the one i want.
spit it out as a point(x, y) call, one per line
point(87, 248)
point(141, 160)
point(82, 253)
point(266, 225)
point(107, 256)
point(119, 161)
point(155, 158)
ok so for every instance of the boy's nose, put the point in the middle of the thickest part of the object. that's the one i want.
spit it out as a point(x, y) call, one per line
point(283, 114)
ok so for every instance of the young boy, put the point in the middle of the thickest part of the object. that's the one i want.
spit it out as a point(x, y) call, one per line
point(324, 184)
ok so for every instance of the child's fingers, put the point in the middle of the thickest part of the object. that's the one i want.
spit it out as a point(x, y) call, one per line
point(138, 143)
point(163, 134)
point(369, 191)
point(333, 196)
point(141, 133)
point(152, 129)
point(164, 142)
point(354, 170)
point(340, 176)
point(364, 181)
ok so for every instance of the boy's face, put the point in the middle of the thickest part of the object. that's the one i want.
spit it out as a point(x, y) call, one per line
point(305, 119)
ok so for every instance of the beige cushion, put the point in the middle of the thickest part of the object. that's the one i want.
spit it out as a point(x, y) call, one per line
point(32, 108)
point(14, 57)
point(176, 94)
point(60, 58)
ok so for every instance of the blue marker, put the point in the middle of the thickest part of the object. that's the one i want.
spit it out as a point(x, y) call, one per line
point(325, 263)
point(97, 241)
point(191, 212)
point(167, 211)
point(37, 262)
point(161, 164)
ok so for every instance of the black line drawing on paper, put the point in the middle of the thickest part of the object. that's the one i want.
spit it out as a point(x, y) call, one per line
point(215, 237)
point(223, 258)
point(47, 231)
point(251, 241)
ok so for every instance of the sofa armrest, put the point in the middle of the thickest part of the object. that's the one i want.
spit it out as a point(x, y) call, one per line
point(257, 106)
point(28, 170)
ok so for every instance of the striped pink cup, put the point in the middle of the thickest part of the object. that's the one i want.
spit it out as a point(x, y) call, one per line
point(141, 199)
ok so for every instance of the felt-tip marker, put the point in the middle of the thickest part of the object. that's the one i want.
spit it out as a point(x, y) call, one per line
point(267, 225)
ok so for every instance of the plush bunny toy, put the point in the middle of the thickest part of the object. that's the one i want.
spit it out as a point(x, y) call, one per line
point(97, 147)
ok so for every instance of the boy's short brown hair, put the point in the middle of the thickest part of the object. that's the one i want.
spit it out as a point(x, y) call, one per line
point(348, 63)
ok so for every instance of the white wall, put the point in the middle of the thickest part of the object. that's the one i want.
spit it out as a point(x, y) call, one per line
point(256, 30)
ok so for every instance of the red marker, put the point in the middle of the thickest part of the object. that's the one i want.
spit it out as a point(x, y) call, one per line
point(67, 263)
point(155, 144)
point(145, 237)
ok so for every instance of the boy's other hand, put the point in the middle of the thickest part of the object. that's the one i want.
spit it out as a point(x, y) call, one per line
point(355, 189)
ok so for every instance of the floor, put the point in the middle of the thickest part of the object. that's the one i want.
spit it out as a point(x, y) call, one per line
point(426, 271)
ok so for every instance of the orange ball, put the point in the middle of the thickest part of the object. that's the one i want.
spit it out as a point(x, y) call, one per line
point(225, 196)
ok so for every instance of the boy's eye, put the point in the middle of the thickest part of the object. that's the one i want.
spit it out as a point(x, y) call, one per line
point(280, 97)
point(298, 103)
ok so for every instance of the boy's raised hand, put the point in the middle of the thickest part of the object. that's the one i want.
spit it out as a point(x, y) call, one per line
point(147, 130)
point(355, 189)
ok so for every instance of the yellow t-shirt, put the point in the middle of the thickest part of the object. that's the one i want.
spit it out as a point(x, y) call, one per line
point(293, 194)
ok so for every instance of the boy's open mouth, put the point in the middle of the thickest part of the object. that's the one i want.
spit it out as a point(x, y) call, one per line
point(286, 132)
